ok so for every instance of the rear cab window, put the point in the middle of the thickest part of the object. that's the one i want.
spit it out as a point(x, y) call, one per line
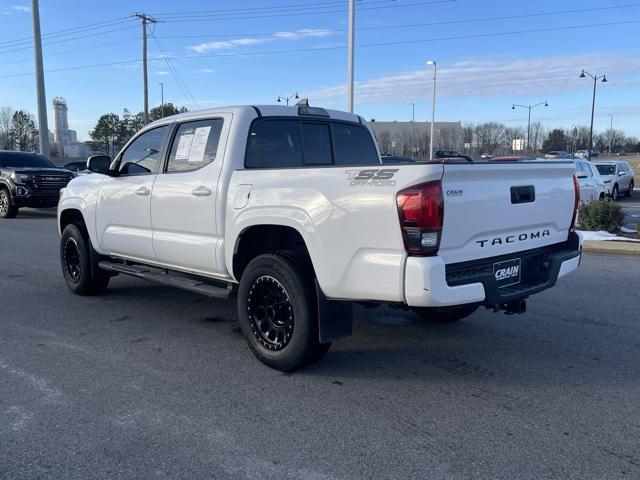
point(299, 142)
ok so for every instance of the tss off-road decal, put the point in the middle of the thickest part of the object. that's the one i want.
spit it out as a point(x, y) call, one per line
point(372, 177)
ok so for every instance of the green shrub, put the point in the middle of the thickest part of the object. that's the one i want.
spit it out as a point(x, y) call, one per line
point(594, 215)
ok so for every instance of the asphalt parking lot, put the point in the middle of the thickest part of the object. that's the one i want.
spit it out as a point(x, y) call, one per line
point(150, 382)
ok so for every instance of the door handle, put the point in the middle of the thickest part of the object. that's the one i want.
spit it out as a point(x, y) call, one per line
point(201, 191)
point(143, 191)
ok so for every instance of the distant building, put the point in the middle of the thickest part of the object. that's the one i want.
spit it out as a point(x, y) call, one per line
point(412, 139)
point(65, 141)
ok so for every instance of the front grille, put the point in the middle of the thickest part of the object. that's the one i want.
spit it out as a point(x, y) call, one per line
point(50, 182)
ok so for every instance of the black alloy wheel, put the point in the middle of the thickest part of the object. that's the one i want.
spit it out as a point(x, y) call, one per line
point(270, 313)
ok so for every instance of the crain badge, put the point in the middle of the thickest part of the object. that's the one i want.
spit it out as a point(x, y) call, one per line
point(507, 272)
point(372, 177)
point(454, 193)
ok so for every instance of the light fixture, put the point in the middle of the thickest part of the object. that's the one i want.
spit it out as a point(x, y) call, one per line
point(546, 104)
point(296, 97)
point(582, 75)
point(604, 79)
point(431, 62)
point(513, 108)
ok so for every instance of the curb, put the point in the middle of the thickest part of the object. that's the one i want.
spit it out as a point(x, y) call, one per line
point(614, 247)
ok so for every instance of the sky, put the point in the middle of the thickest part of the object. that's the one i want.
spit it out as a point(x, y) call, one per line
point(490, 54)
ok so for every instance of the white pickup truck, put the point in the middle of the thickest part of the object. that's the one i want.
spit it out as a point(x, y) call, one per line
point(290, 210)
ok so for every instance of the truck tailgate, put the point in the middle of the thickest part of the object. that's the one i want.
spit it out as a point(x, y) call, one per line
point(493, 209)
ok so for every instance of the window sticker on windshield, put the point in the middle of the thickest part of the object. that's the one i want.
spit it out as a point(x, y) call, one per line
point(199, 144)
point(184, 147)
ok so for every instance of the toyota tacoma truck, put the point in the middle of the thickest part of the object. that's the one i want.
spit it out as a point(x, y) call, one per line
point(290, 210)
point(29, 180)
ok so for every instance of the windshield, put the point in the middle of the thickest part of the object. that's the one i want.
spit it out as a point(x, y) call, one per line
point(606, 169)
point(24, 160)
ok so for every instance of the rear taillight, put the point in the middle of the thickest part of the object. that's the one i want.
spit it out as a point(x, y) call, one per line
point(576, 202)
point(421, 211)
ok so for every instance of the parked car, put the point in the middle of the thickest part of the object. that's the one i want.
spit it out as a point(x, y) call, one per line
point(29, 180)
point(289, 209)
point(487, 156)
point(392, 159)
point(557, 154)
point(592, 186)
point(451, 154)
point(618, 177)
point(78, 167)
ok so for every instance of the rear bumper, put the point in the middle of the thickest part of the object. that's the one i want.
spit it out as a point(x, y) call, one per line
point(431, 283)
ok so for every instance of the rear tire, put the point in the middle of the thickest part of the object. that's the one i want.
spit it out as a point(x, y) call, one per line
point(601, 197)
point(630, 191)
point(614, 193)
point(7, 207)
point(277, 311)
point(445, 314)
point(75, 259)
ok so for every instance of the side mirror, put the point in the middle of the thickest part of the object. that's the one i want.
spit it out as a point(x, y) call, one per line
point(620, 174)
point(99, 164)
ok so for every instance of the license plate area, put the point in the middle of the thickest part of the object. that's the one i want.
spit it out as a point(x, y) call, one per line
point(507, 272)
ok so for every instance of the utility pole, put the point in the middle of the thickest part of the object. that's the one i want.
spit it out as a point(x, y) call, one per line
point(352, 24)
point(145, 20)
point(433, 106)
point(161, 100)
point(43, 126)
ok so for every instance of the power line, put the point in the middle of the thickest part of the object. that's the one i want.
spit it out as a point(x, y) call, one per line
point(206, 18)
point(176, 75)
point(70, 39)
point(69, 31)
point(66, 52)
point(289, 6)
point(342, 47)
point(415, 25)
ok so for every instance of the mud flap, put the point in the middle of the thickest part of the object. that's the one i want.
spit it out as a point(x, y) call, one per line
point(335, 317)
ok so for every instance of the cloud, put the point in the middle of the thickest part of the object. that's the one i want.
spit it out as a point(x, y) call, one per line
point(491, 77)
point(204, 70)
point(219, 45)
point(292, 35)
point(15, 9)
point(303, 33)
point(161, 72)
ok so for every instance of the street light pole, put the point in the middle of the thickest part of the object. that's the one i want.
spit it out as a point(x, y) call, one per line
point(351, 54)
point(593, 104)
point(413, 128)
point(529, 107)
point(433, 105)
point(161, 100)
point(610, 133)
point(287, 99)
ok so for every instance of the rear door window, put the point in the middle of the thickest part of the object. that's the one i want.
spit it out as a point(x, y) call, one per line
point(195, 145)
point(353, 145)
point(274, 144)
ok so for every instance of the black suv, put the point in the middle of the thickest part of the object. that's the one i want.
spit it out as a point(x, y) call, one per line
point(29, 180)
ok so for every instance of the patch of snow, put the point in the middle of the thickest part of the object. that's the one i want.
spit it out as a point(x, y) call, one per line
point(605, 236)
point(628, 230)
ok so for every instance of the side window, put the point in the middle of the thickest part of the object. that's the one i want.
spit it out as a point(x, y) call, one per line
point(594, 171)
point(195, 145)
point(142, 157)
point(274, 143)
point(316, 140)
point(353, 145)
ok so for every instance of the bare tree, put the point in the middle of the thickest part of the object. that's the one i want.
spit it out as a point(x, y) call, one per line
point(384, 142)
point(538, 134)
point(23, 131)
point(515, 133)
point(5, 128)
point(490, 136)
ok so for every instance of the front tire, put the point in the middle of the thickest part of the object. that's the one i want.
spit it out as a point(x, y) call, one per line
point(445, 314)
point(630, 191)
point(614, 193)
point(277, 312)
point(75, 259)
point(7, 207)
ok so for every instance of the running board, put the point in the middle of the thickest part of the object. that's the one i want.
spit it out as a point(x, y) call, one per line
point(165, 277)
